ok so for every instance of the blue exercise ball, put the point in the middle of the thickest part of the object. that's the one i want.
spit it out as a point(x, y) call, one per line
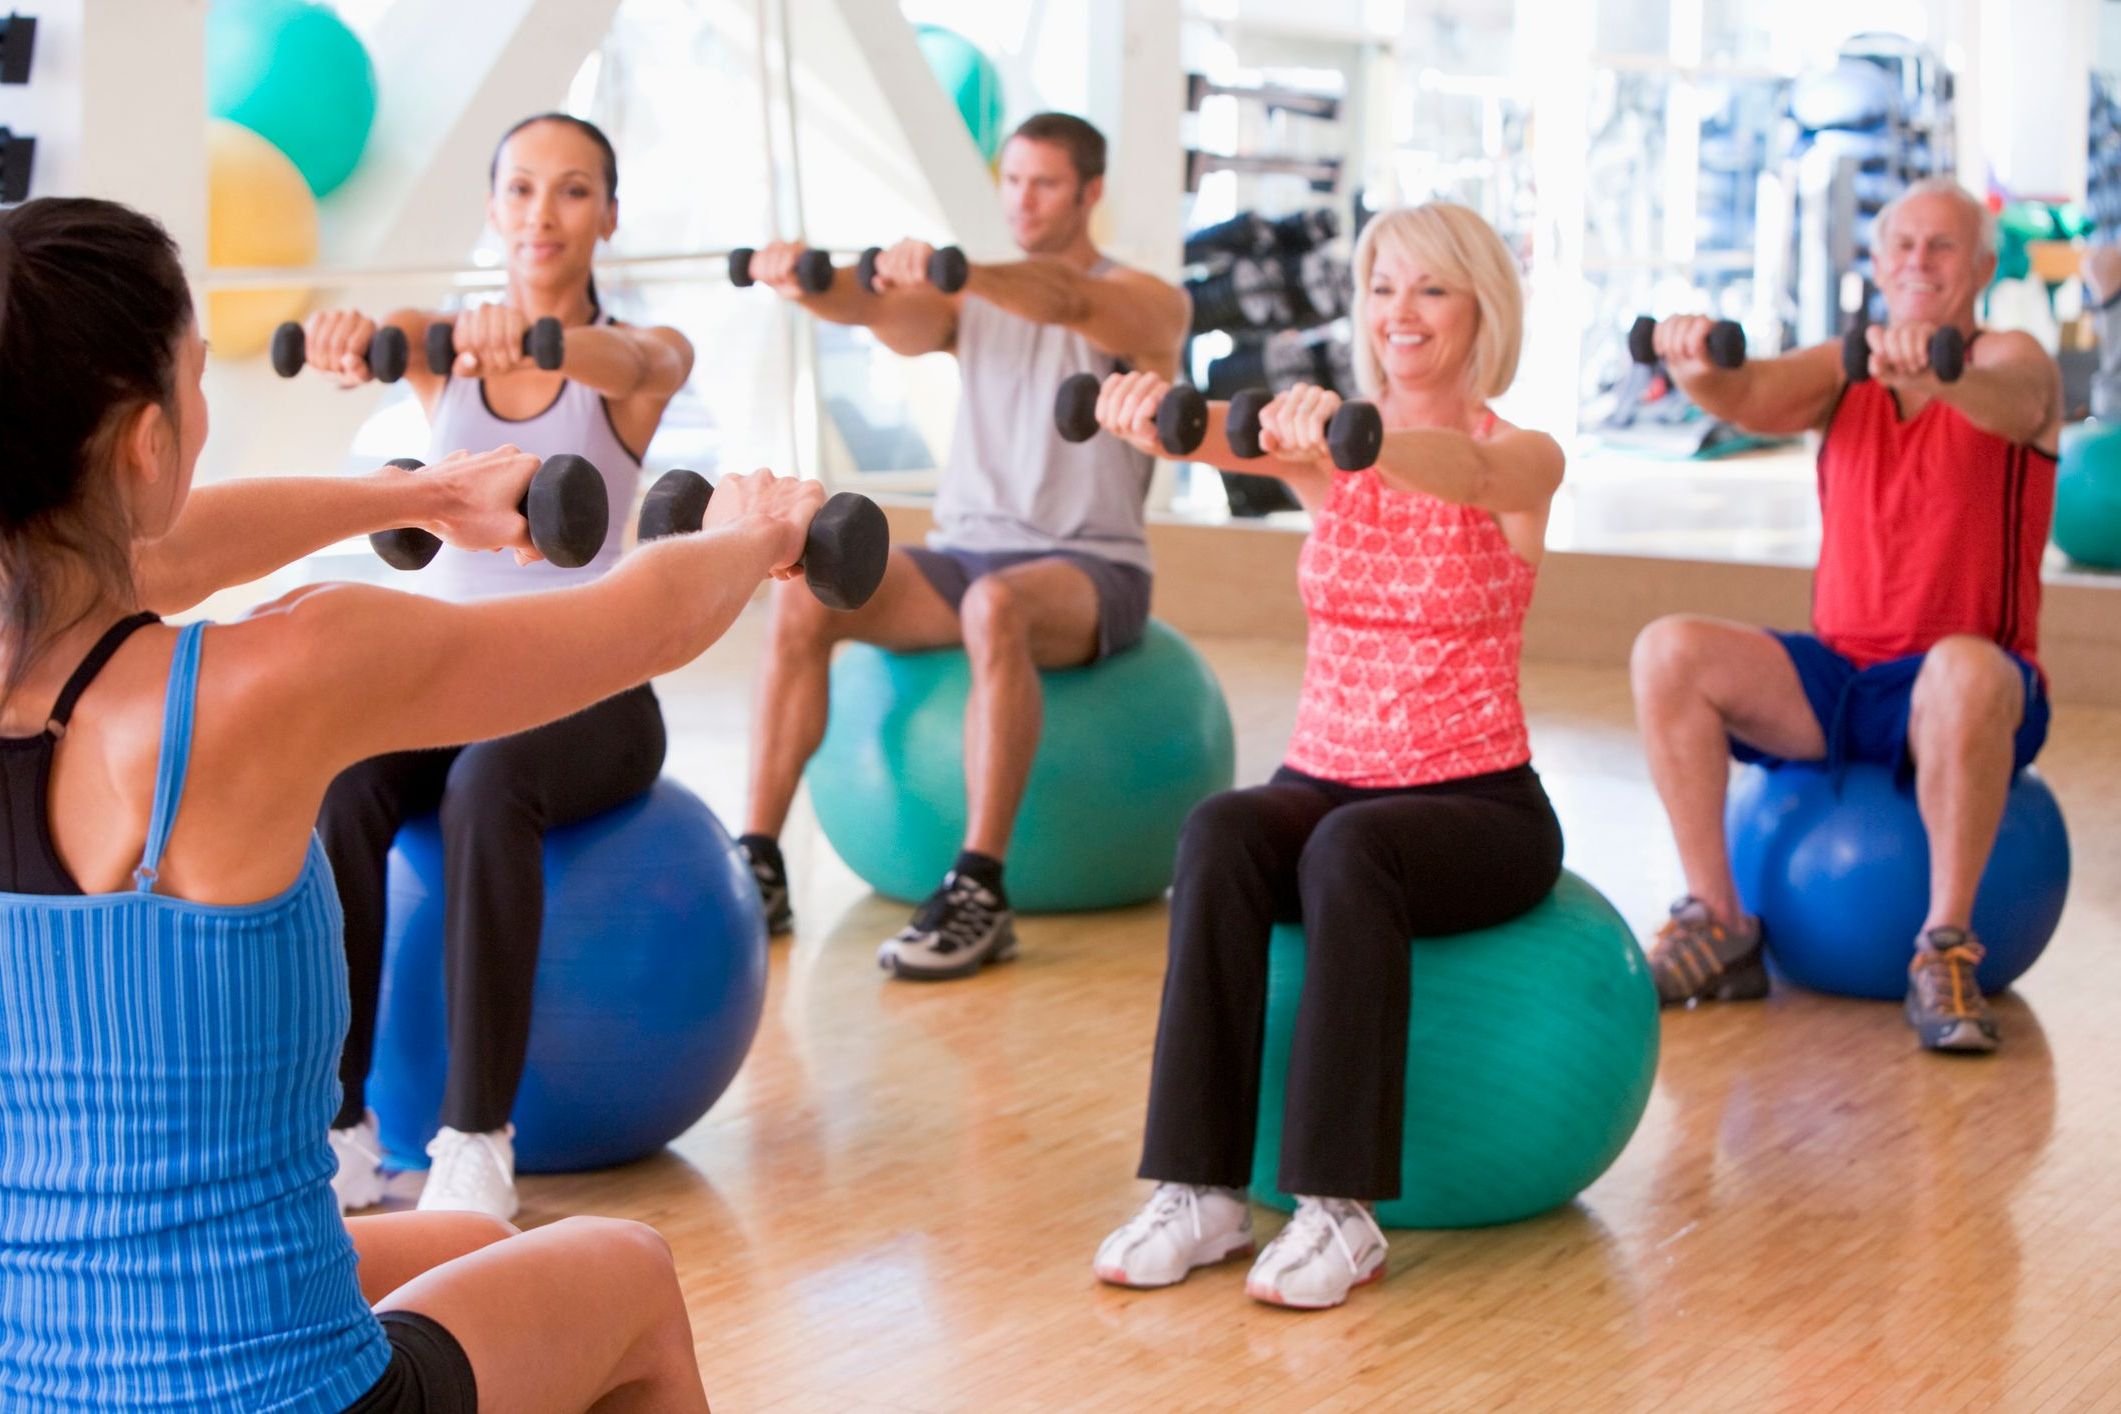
point(1839, 876)
point(1129, 746)
point(1531, 1051)
point(651, 978)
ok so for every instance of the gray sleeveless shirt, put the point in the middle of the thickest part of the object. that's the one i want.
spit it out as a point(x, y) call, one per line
point(576, 421)
point(1011, 482)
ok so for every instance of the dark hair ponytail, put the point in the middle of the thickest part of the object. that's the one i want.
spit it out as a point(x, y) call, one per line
point(92, 305)
point(589, 130)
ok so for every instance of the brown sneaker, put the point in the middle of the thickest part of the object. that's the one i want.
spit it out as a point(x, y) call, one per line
point(1944, 1002)
point(1696, 959)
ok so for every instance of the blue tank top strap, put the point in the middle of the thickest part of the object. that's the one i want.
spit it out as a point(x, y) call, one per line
point(175, 760)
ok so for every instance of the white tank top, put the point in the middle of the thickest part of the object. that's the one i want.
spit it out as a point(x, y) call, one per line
point(577, 421)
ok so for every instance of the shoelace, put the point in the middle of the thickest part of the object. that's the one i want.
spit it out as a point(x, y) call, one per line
point(1165, 1203)
point(1313, 1213)
point(460, 1157)
point(1688, 948)
point(1957, 964)
point(961, 915)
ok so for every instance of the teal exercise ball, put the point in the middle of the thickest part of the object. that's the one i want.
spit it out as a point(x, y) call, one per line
point(1129, 746)
point(1531, 1049)
point(293, 73)
point(2088, 496)
point(971, 80)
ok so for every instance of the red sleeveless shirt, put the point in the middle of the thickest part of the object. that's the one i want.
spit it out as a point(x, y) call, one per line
point(1931, 527)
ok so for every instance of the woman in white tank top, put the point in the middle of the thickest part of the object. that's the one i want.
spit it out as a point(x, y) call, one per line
point(554, 183)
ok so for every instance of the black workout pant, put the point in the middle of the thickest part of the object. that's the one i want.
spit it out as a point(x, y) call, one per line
point(1365, 871)
point(497, 799)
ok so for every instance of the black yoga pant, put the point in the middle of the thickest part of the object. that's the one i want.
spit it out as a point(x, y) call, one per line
point(1365, 871)
point(497, 799)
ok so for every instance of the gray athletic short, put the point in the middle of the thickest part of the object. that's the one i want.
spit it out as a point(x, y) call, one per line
point(1122, 590)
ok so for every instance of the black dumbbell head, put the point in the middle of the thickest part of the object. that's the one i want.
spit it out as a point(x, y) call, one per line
point(1182, 420)
point(846, 552)
point(546, 343)
point(1948, 354)
point(1727, 344)
point(387, 354)
point(1642, 339)
point(1856, 351)
point(289, 350)
point(948, 269)
point(1075, 407)
point(405, 548)
point(740, 267)
point(1241, 421)
point(865, 268)
point(813, 271)
point(441, 347)
point(1355, 436)
point(675, 505)
point(569, 511)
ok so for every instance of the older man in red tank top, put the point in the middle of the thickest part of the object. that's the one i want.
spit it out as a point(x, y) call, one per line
point(1934, 501)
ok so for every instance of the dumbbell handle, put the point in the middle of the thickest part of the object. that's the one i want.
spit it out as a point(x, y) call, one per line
point(947, 269)
point(545, 342)
point(844, 551)
point(813, 270)
point(1726, 342)
point(386, 353)
point(1947, 352)
point(566, 504)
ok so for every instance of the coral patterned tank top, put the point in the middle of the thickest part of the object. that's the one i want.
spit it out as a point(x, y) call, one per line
point(1416, 610)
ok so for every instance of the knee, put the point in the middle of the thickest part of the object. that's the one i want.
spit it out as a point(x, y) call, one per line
point(1667, 655)
point(1220, 828)
point(1966, 687)
point(633, 1245)
point(359, 801)
point(1342, 855)
point(797, 622)
point(995, 620)
point(485, 785)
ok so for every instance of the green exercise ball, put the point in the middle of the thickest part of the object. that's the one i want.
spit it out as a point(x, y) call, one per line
point(1129, 746)
point(293, 73)
point(971, 80)
point(1531, 1048)
point(2088, 496)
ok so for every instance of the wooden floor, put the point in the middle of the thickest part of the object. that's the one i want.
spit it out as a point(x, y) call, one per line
point(895, 1206)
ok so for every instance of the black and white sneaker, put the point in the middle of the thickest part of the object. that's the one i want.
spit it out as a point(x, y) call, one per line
point(772, 879)
point(961, 928)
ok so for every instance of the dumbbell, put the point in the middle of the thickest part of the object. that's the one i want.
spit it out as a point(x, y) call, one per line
point(843, 555)
point(1947, 352)
point(813, 270)
point(1181, 418)
point(386, 351)
point(566, 504)
point(545, 342)
point(947, 269)
point(1726, 342)
point(1354, 434)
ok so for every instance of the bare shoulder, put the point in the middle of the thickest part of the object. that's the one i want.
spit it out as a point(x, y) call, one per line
point(1999, 348)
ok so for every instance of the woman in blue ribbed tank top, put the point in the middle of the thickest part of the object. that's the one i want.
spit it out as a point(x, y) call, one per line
point(172, 996)
point(553, 196)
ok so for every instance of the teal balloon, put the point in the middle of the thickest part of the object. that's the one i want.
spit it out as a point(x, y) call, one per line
point(1531, 1049)
point(2088, 496)
point(293, 73)
point(1129, 746)
point(971, 80)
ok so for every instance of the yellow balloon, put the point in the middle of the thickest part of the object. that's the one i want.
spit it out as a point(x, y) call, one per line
point(259, 212)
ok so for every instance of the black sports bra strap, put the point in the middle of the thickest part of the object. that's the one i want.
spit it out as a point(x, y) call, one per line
point(92, 664)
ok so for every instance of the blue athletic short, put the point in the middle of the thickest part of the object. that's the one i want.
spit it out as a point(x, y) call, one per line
point(1862, 712)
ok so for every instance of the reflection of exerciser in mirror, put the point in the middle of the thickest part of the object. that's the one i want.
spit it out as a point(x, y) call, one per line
point(843, 556)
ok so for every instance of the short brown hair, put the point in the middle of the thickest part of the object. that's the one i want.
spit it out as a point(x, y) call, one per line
point(1085, 144)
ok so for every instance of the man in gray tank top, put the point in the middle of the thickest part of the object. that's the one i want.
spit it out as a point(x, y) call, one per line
point(1038, 559)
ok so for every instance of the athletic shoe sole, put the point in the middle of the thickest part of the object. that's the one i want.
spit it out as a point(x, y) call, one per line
point(888, 958)
point(1271, 1297)
point(1116, 1276)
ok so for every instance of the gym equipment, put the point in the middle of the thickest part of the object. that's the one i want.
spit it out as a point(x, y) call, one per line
point(259, 212)
point(1726, 342)
point(970, 79)
point(1531, 1048)
point(2088, 496)
point(947, 269)
point(567, 505)
point(844, 555)
point(387, 351)
point(296, 75)
point(1129, 746)
point(1839, 876)
point(1947, 353)
point(813, 269)
point(545, 342)
point(1355, 434)
point(650, 981)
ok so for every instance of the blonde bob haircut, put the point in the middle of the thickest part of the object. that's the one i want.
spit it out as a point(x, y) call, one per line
point(1455, 247)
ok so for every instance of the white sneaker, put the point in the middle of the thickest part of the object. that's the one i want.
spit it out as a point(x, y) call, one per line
point(1182, 1226)
point(358, 1183)
point(1329, 1247)
point(471, 1173)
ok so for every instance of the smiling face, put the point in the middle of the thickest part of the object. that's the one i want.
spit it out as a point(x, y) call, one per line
point(1930, 263)
point(1045, 203)
point(1421, 330)
point(550, 204)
